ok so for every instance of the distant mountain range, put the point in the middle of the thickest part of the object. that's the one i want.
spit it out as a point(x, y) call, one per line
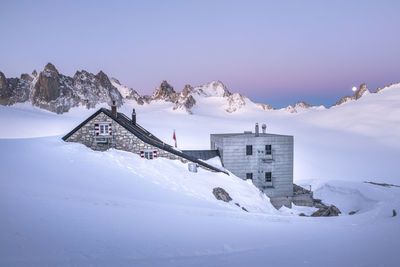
point(59, 93)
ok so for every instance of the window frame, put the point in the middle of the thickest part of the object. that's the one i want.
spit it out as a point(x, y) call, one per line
point(103, 129)
point(249, 150)
point(249, 175)
point(268, 149)
point(268, 177)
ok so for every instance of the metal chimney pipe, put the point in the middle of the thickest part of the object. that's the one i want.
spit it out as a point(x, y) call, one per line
point(264, 128)
point(114, 109)
point(133, 116)
point(257, 130)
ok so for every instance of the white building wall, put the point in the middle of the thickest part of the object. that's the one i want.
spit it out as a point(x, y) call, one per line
point(234, 158)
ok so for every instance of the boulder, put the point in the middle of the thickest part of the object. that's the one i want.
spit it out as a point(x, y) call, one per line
point(326, 211)
point(221, 194)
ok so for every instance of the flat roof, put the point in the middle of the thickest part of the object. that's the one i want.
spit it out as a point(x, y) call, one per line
point(250, 134)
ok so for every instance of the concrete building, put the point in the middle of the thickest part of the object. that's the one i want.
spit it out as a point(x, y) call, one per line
point(266, 159)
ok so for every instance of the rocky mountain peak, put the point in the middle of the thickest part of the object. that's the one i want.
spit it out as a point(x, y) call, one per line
point(164, 92)
point(302, 104)
point(104, 81)
point(50, 67)
point(362, 90)
point(34, 73)
point(215, 88)
point(187, 90)
point(26, 77)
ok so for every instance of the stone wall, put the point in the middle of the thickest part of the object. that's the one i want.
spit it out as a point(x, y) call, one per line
point(121, 139)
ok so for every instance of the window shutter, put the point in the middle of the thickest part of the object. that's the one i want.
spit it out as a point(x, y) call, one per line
point(96, 129)
point(142, 154)
point(154, 154)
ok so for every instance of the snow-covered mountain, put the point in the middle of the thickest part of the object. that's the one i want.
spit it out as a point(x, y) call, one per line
point(58, 93)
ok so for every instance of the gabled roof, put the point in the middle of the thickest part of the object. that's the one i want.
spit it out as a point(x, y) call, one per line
point(143, 135)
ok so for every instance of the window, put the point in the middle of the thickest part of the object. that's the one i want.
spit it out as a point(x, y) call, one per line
point(249, 175)
point(148, 154)
point(268, 149)
point(103, 129)
point(268, 177)
point(249, 150)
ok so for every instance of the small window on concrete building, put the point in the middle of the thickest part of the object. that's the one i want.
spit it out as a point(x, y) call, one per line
point(268, 177)
point(249, 175)
point(249, 150)
point(268, 149)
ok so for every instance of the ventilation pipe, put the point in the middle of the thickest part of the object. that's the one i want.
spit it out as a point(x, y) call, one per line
point(133, 116)
point(114, 109)
point(257, 130)
point(264, 128)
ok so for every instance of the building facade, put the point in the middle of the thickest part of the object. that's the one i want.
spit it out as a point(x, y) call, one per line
point(266, 159)
point(107, 129)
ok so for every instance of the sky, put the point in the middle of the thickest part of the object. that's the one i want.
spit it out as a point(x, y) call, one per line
point(275, 52)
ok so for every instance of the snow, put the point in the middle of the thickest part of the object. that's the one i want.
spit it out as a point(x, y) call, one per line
point(62, 204)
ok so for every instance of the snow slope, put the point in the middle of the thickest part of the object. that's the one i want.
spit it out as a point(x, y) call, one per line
point(62, 204)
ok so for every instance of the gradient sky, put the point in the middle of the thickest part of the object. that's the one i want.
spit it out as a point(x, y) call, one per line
point(276, 52)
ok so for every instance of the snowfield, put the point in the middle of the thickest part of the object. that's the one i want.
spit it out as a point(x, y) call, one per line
point(62, 204)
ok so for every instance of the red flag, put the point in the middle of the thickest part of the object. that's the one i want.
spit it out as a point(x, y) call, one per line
point(174, 137)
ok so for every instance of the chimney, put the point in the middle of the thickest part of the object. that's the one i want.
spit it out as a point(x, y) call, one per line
point(257, 130)
point(114, 109)
point(264, 128)
point(133, 116)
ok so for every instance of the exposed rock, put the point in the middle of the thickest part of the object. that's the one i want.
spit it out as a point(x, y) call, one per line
point(221, 194)
point(243, 208)
point(14, 90)
point(128, 93)
point(302, 214)
point(34, 73)
point(353, 212)
point(297, 190)
point(26, 77)
point(361, 91)
point(343, 100)
point(265, 106)
point(326, 211)
point(235, 102)
point(383, 184)
point(302, 104)
point(394, 213)
point(59, 93)
point(185, 103)
point(215, 88)
point(290, 109)
point(164, 92)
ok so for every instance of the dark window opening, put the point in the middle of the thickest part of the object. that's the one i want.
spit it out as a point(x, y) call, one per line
point(268, 149)
point(249, 176)
point(268, 177)
point(249, 150)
